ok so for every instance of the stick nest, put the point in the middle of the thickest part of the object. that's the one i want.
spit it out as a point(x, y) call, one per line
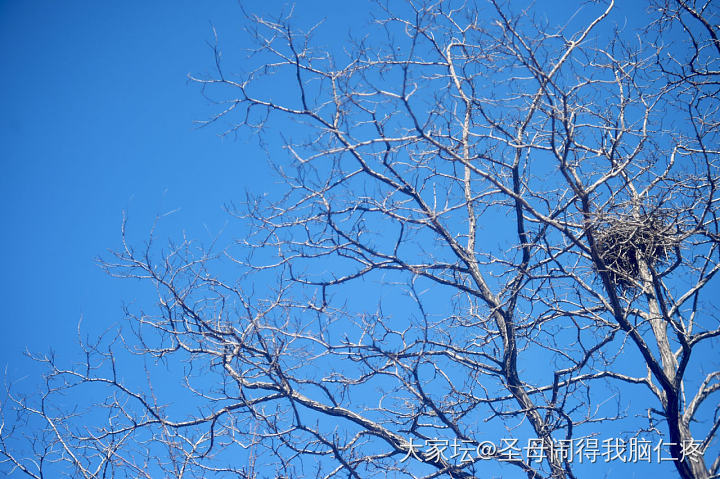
point(623, 240)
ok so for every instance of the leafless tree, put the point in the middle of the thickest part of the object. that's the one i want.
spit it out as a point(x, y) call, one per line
point(492, 222)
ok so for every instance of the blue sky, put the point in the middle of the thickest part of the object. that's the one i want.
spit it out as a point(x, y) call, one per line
point(98, 118)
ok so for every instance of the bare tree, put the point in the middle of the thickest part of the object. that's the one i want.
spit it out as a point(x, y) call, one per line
point(492, 222)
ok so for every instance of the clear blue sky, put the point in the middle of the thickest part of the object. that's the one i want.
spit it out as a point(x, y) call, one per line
point(97, 118)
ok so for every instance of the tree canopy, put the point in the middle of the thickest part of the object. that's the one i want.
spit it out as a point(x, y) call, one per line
point(495, 249)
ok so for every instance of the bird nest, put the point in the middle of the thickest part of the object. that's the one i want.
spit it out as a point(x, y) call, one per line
point(624, 241)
